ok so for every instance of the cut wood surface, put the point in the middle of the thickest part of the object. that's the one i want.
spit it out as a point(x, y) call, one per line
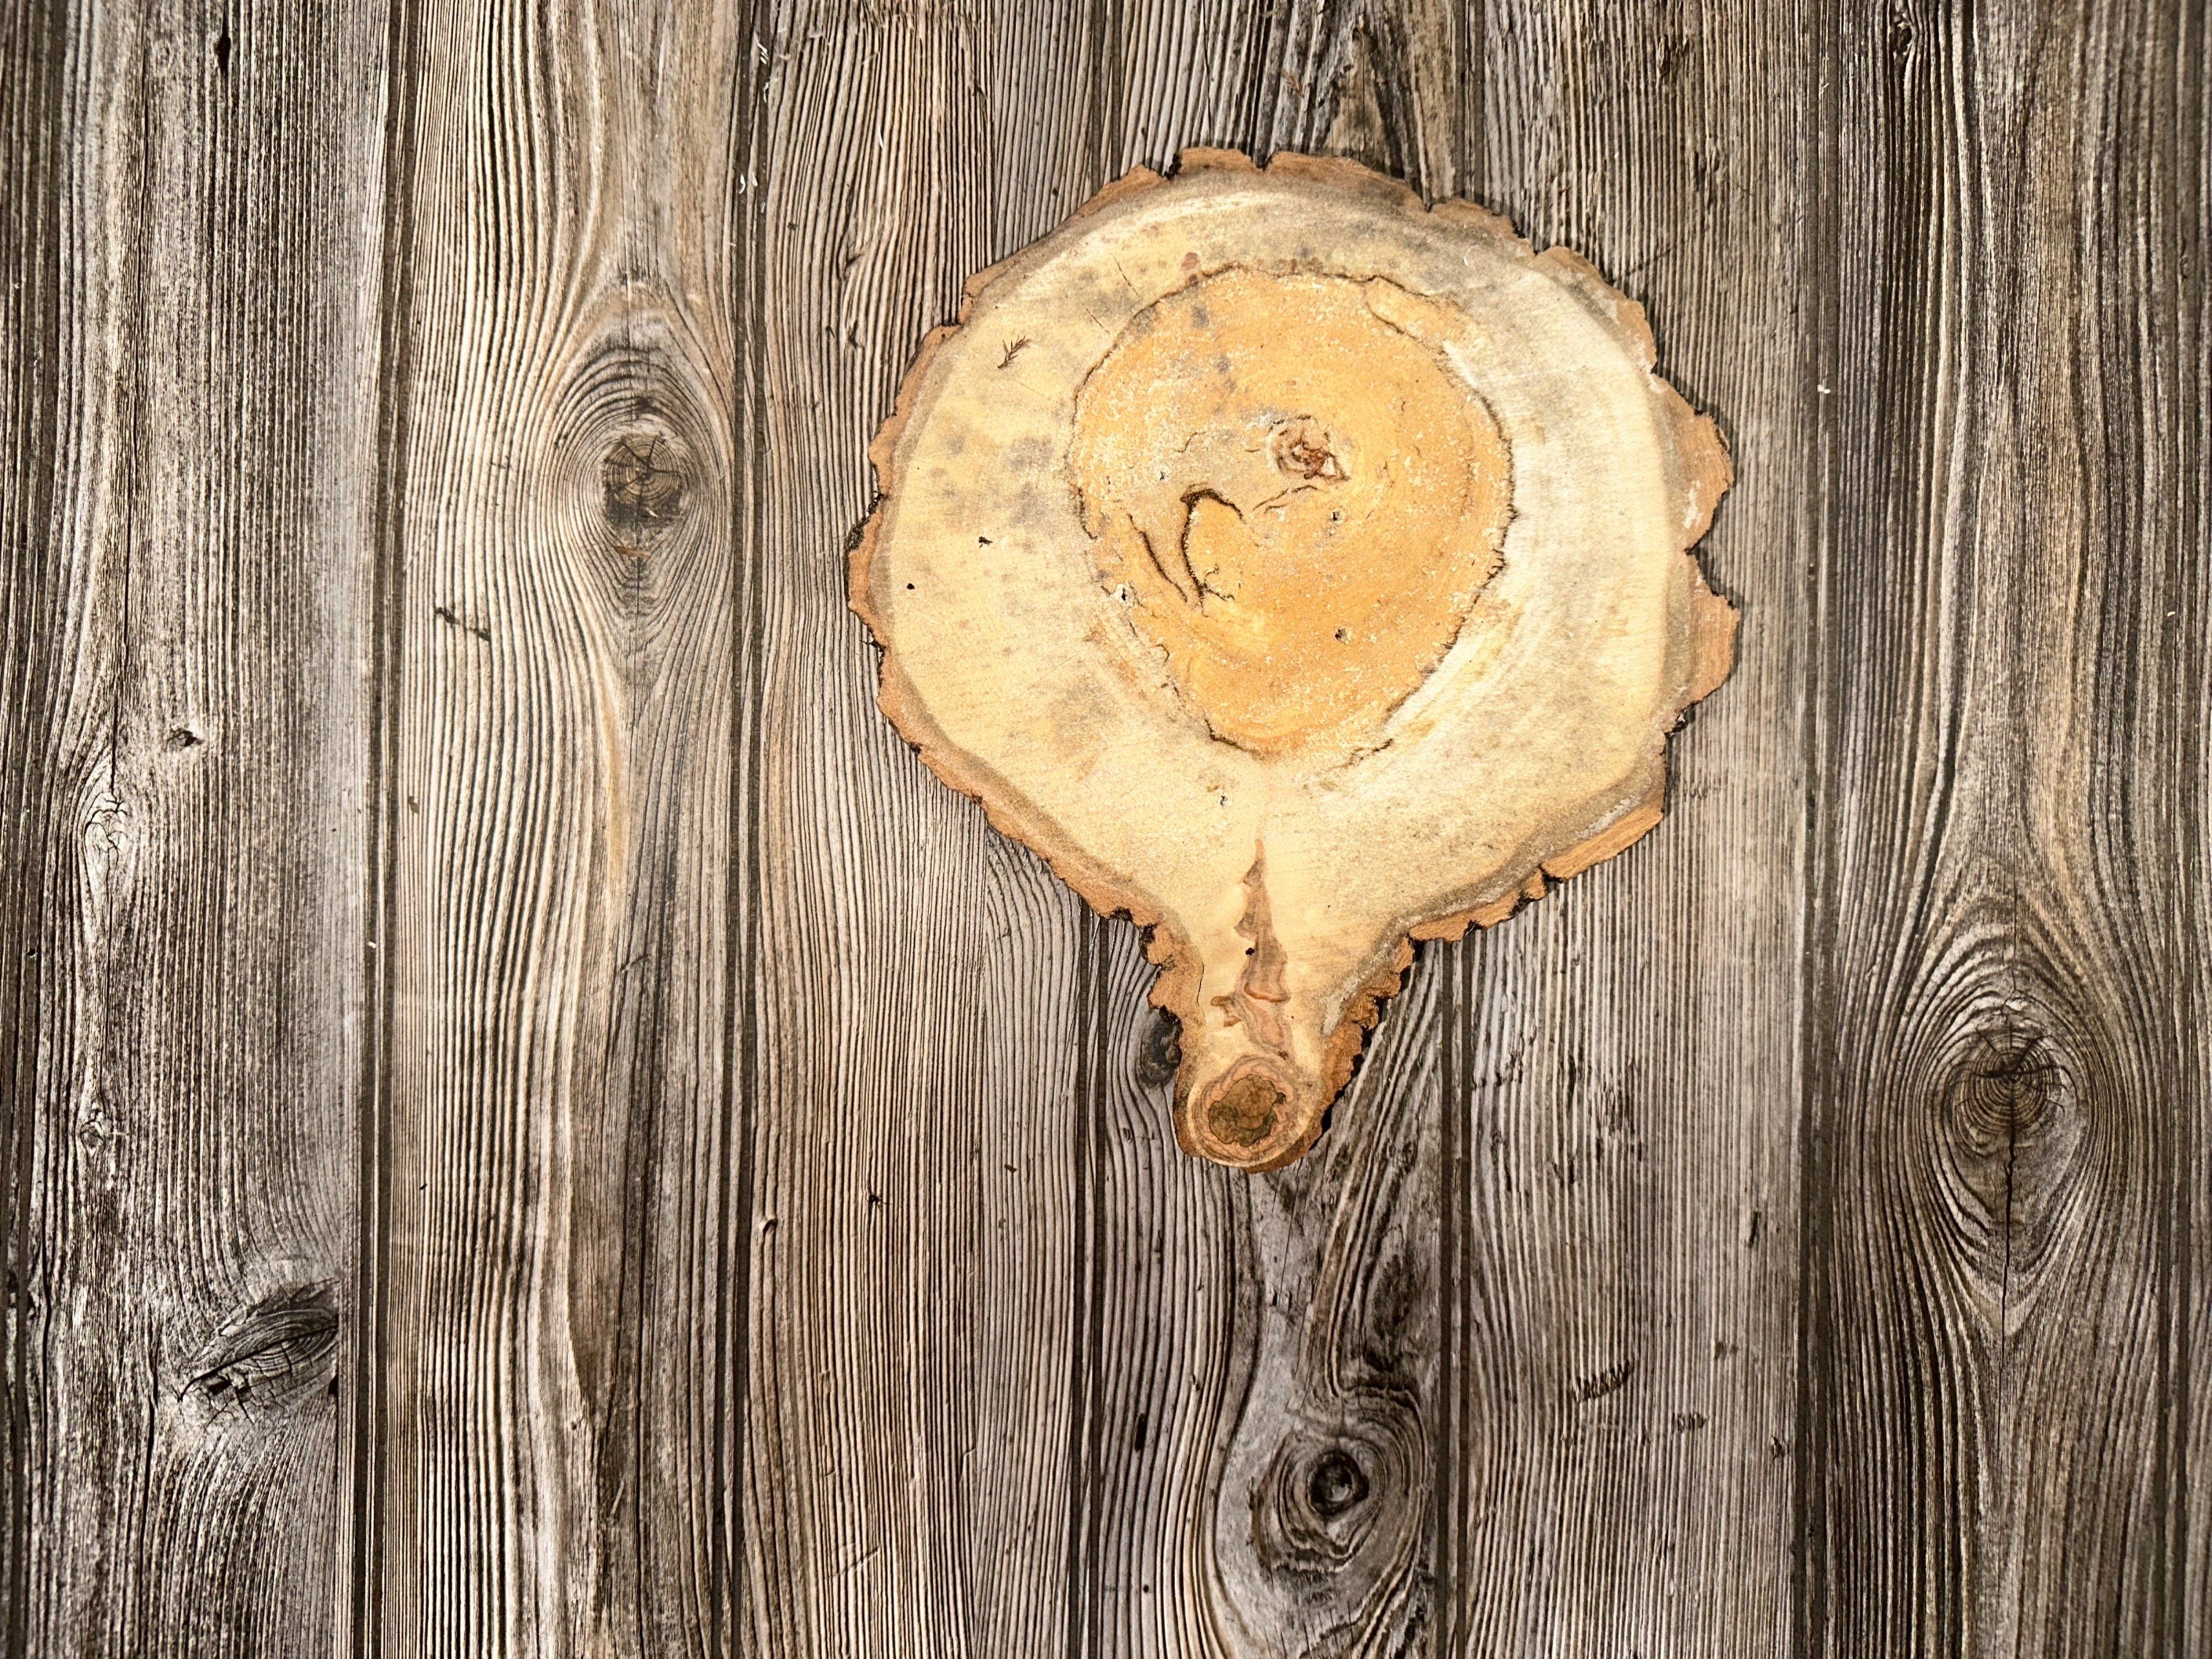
point(1369, 608)
point(530, 1122)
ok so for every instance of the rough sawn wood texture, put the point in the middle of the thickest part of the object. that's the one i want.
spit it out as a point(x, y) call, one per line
point(530, 1125)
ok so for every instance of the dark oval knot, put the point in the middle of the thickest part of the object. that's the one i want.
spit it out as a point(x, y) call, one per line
point(643, 474)
point(1336, 1484)
point(1159, 1050)
point(1343, 1492)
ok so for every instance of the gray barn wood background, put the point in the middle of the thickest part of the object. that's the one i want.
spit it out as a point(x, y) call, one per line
point(531, 1126)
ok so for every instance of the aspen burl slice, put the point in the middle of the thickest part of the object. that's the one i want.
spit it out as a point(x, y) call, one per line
point(1303, 572)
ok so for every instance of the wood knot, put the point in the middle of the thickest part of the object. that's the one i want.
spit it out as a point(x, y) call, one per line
point(1159, 1050)
point(1346, 1497)
point(1336, 1484)
point(2001, 1092)
point(1256, 1114)
point(1244, 1113)
point(635, 455)
point(276, 1352)
point(2012, 1135)
point(2009, 1082)
point(644, 474)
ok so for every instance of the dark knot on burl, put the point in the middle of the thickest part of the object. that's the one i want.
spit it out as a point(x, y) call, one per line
point(644, 477)
point(1243, 1113)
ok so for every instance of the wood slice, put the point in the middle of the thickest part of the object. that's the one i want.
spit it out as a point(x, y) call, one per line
point(1302, 572)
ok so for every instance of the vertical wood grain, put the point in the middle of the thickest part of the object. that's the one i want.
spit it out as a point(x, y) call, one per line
point(1023, 1398)
point(190, 281)
point(1167, 1280)
point(560, 1283)
point(2010, 1084)
point(33, 100)
point(2181, 102)
point(1170, 1295)
point(915, 1201)
point(1624, 1084)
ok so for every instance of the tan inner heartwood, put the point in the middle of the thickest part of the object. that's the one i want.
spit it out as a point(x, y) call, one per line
point(1294, 496)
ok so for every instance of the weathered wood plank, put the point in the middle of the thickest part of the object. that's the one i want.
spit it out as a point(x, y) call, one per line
point(1162, 1265)
point(2180, 95)
point(2005, 1278)
point(191, 285)
point(34, 99)
point(561, 1286)
point(1096, 1197)
point(1324, 1507)
point(1623, 1085)
point(907, 1439)
point(1261, 1366)
point(1168, 1290)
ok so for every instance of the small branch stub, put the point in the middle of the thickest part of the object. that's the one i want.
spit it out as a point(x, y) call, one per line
point(1302, 571)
